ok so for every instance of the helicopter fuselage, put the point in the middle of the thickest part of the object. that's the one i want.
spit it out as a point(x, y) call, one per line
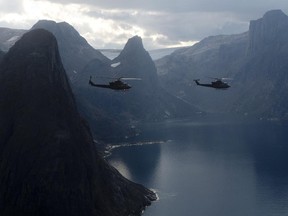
point(116, 85)
point(218, 84)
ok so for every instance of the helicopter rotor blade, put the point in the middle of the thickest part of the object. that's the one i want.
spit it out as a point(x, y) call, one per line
point(103, 77)
point(130, 78)
point(216, 78)
point(221, 78)
point(119, 78)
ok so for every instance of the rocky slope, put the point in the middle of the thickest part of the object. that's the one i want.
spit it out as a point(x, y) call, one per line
point(48, 162)
point(256, 61)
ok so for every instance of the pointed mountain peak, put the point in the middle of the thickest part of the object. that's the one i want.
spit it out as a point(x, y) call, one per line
point(134, 47)
point(133, 44)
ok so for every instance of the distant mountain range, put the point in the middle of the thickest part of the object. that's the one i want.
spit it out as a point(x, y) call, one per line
point(256, 60)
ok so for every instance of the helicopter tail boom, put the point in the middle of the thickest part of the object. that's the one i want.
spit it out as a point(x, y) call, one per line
point(197, 81)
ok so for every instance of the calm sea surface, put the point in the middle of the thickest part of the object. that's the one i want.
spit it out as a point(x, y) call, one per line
point(210, 169)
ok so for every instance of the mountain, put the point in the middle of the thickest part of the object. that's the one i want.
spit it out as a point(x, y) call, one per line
point(255, 60)
point(9, 36)
point(74, 49)
point(48, 162)
point(145, 101)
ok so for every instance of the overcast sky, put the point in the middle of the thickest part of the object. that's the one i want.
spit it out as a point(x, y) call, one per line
point(160, 23)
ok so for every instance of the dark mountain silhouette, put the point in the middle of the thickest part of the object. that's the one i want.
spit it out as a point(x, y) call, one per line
point(256, 60)
point(145, 101)
point(74, 49)
point(48, 162)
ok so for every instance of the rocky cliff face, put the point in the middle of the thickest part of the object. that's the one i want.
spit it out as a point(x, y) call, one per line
point(74, 49)
point(269, 32)
point(48, 161)
point(264, 74)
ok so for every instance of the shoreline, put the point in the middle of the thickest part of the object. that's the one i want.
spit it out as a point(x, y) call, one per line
point(110, 147)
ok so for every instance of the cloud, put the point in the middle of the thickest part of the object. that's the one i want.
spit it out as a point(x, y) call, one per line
point(185, 5)
point(11, 5)
point(160, 23)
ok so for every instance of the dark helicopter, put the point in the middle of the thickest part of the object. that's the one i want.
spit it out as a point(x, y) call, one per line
point(118, 84)
point(218, 83)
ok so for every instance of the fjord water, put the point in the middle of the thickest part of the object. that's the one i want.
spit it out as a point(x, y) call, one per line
point(211, 169)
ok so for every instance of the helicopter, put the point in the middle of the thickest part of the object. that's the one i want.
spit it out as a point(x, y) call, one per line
point(218, 83)
point(118, 84)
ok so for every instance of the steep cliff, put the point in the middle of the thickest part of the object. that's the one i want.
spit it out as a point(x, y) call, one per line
point(48, 162)
point(264, 75)
point(269, 32)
